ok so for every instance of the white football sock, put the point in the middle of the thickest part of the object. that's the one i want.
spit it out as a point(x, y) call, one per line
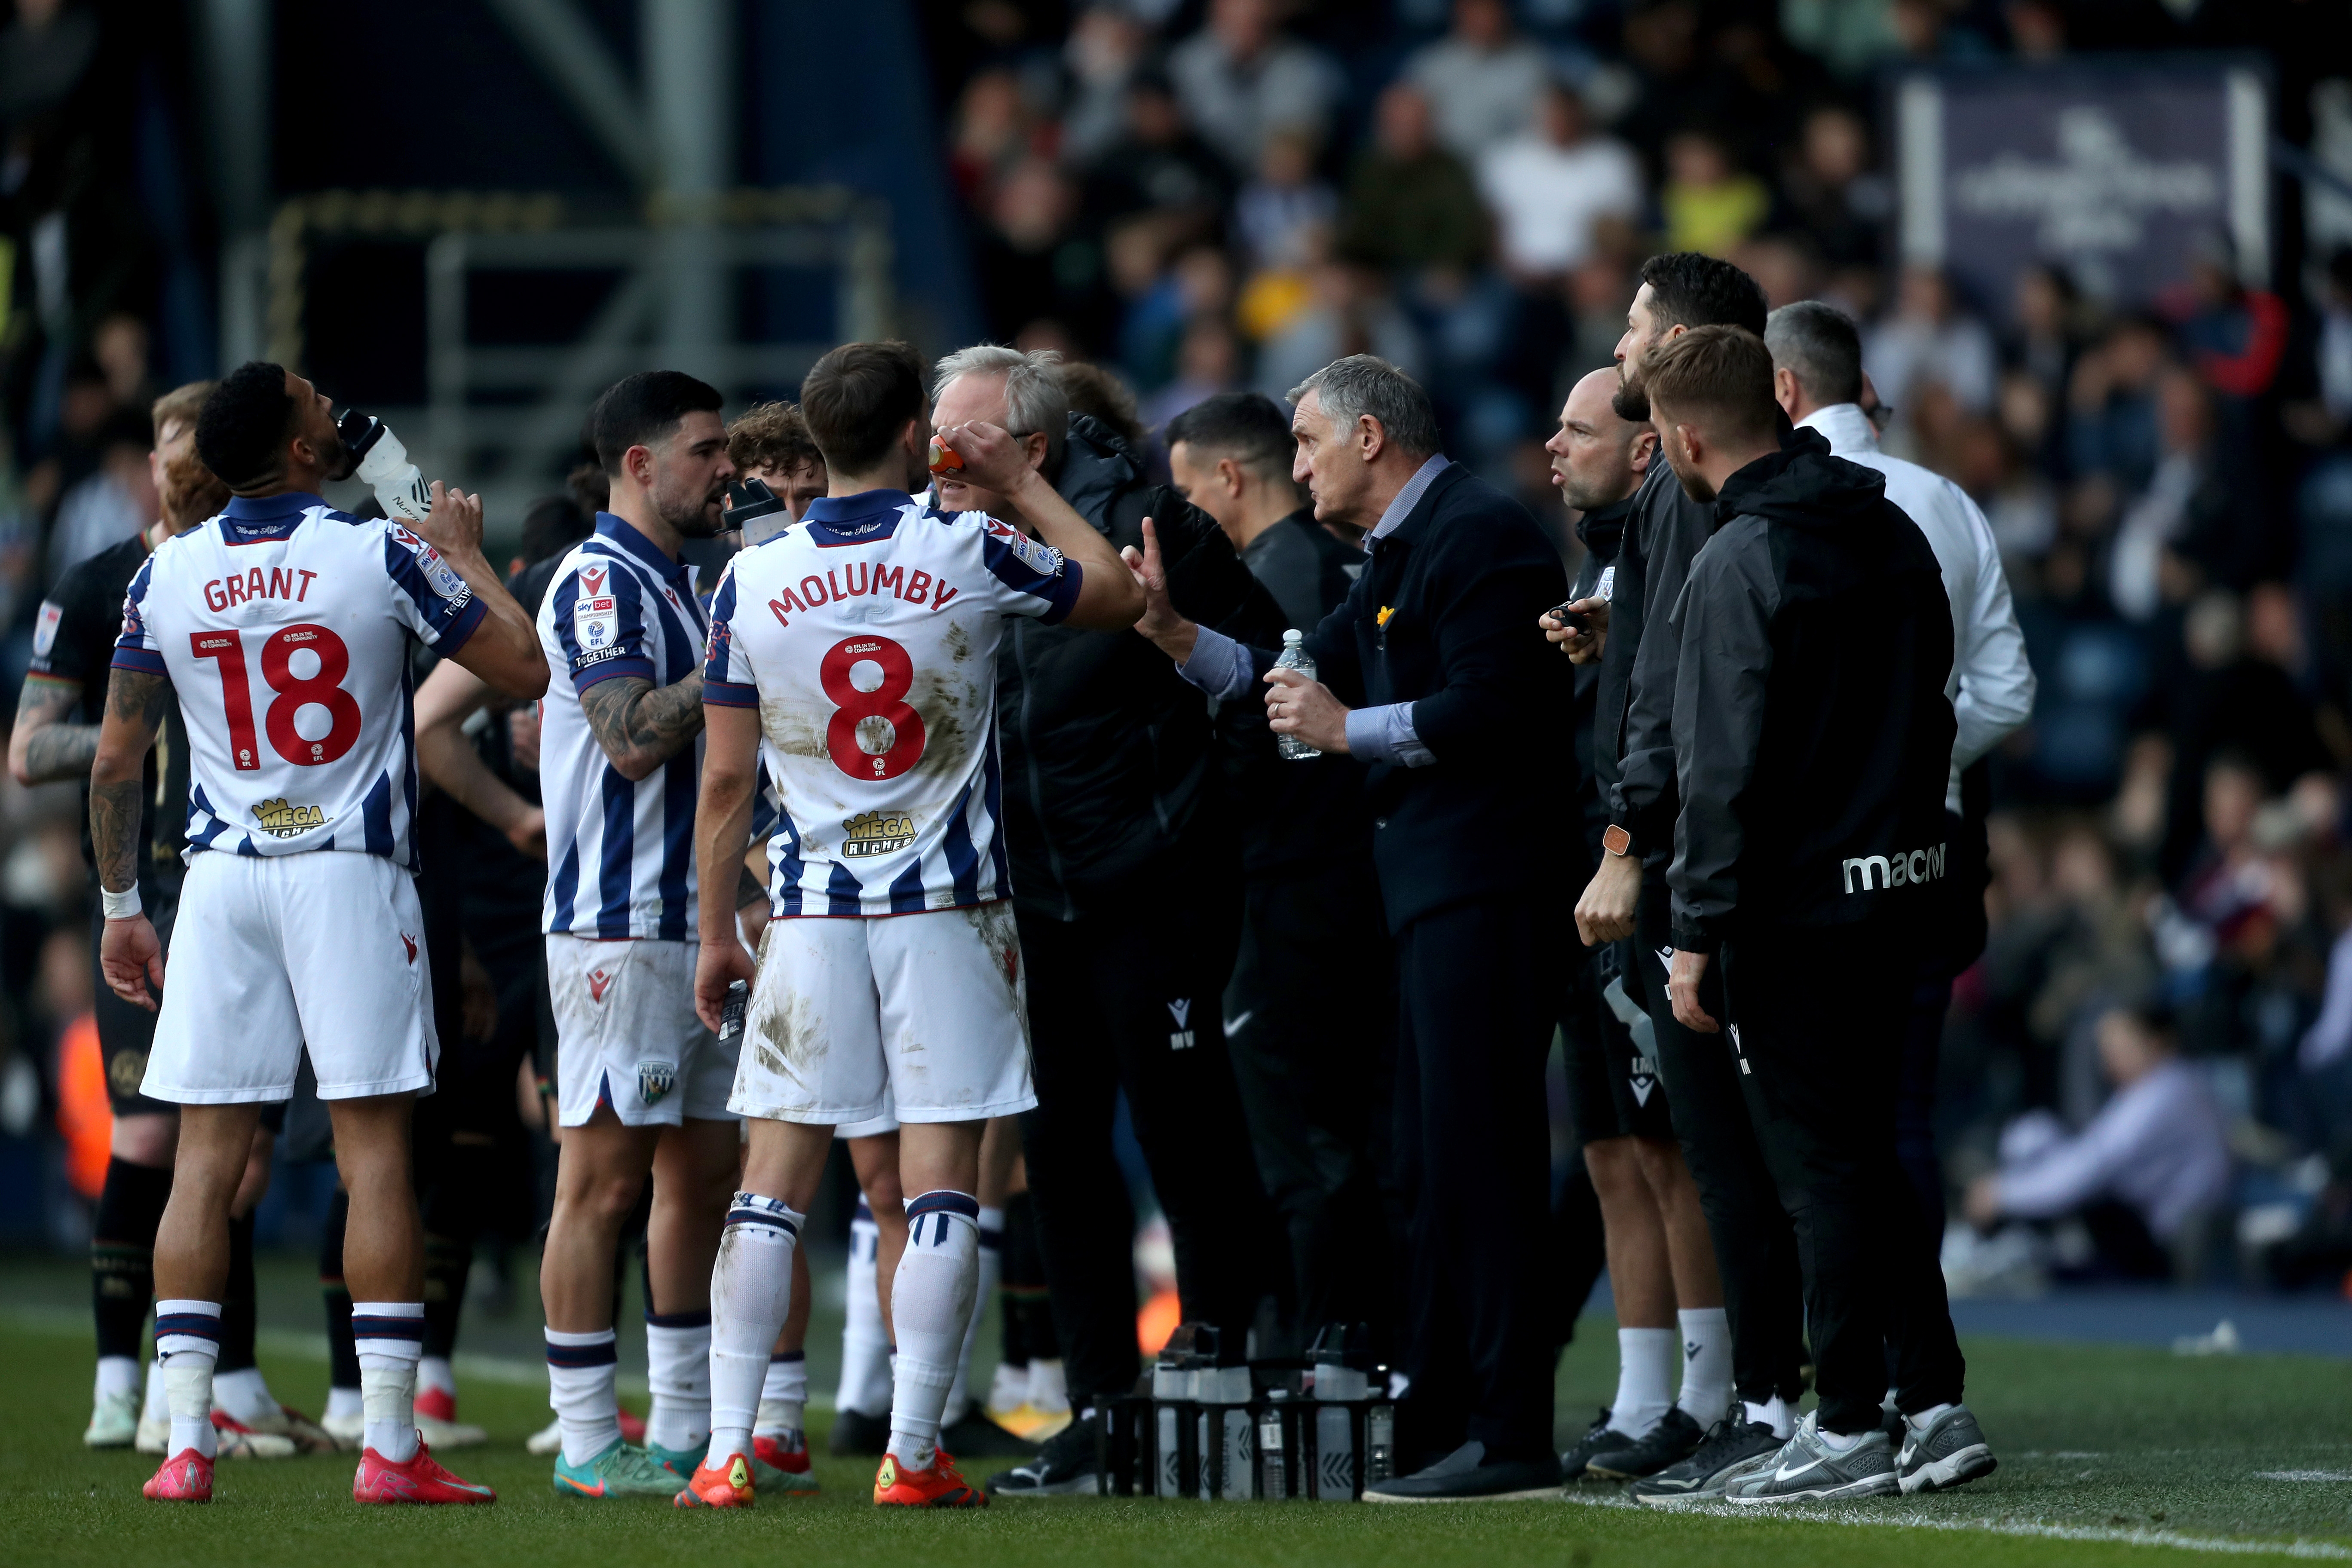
point(187, 1338)
point(1706, 1364)
point(1049, 1386)
point(864, 1341)
point(390, 1338)
point(677, 1371)
point(750, 1292)
point(931, 1301)
point(1774, 1413)
point(783, 1396)
point(1837, 1442)
point(243, 1395)
point(117, 1375)
point(1927, 1417)
point(1646, 1380)
point(992, 1269)
point(581, 1372)
point(435, 1371)
point(154, 1406)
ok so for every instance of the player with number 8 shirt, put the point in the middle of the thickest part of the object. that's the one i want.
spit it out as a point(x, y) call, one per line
point(855, 657)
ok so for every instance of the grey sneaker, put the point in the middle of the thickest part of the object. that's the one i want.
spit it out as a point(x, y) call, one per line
point(1807, 1469)
point(1950, 1451)
point(1734, 1447)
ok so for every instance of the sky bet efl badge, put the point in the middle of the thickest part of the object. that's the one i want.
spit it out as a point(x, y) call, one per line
point(591, 613)
point(656, 1080)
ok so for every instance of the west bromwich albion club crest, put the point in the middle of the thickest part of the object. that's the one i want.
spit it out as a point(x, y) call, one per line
point(656, 1080)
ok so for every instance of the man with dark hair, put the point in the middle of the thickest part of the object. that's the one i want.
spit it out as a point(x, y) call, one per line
point(1309, 1015)
point(856, 395)
point(55, 737)
point(1126, 862)
point(1434, 654)
point(1813, 740)
point(300, 935)
point(1229, 456)
point(1755, 1250)
point(1817, 379)
point(640, 1084)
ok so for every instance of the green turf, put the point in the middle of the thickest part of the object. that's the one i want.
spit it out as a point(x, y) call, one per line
point(2115, 1449)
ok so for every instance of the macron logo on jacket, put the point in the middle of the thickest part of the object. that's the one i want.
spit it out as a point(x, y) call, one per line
point(1880, 871)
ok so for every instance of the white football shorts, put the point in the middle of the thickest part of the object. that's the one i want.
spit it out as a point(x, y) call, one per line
point(273, 954)
point(627, 1034)
point(920, 1016)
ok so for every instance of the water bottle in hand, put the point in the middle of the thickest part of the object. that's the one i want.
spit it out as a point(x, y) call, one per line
point(1294, 657)
point(383, 466)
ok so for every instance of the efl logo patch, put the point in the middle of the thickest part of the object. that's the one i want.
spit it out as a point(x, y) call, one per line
point(45, 629)
point(656, 1080)
point(593, 620)
point(1180, 1037)
point(597, 983)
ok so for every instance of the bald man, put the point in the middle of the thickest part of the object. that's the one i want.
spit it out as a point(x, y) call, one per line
point(1661, 1262)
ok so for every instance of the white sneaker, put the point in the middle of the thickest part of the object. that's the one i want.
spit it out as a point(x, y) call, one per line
point(154, 1435)
point(439, 1434)
point(548, 1439)
point(114, 1421)
point(1008, 1391)
point(348, 1431)
point(307, 1434)
point(239, 1441)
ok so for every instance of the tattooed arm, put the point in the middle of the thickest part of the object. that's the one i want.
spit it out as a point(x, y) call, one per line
point(46, 744)
point(641, 725)
point(128, 955)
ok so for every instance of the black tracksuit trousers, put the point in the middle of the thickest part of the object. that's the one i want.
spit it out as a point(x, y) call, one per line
point(1816, 1019)
point(1478, 994)
point(1755, 1249)
point(1128, 998)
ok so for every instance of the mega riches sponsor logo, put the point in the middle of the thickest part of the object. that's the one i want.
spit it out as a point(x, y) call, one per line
point(876, 833)
point(285, 821)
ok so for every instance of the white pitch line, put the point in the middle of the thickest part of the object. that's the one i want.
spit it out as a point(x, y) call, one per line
point(1849, 1514)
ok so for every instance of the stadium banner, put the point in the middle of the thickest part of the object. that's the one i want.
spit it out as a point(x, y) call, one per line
point(2113, 169)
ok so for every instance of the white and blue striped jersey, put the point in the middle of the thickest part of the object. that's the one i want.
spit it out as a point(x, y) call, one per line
point(284, 625)
point(620, 856)
point(867, 638)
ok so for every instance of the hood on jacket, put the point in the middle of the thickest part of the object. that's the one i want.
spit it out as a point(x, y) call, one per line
point(1803, 486)
point(1096, 468)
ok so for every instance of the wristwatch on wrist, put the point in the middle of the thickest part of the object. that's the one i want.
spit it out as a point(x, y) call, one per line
point(1615, 840)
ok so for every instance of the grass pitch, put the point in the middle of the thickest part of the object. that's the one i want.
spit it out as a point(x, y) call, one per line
point(2107, 1456)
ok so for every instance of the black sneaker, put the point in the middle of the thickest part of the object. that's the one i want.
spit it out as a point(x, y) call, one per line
point(1674, 1439)
point(1732, 1447)
point(1462, 1476)
point(857, 1435)
point(1598, 1438)
point(972, 1435)
point(1064, 1466)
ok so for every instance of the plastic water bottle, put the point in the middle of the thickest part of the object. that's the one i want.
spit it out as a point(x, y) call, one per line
point(1294, 657)
point(383, 466)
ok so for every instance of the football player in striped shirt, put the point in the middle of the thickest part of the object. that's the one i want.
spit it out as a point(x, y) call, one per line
point(282, 627)
point(855, 656)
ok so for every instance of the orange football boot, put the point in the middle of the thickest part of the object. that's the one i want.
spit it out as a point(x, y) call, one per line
point(725, 1483)
point(938, 1487)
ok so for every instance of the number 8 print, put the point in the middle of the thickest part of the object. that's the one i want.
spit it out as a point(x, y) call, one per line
point(855, 709)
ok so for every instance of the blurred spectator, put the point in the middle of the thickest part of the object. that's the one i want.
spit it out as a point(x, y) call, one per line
point(1710, 203)
point(1100, 395)
point(1281, 211)
point(1208, 362)
point(1550, 185)
point(2320, 416)
point(2233, 704)
point(1832, 195)
point(993, 131)
point(1106, 44)
point(1410, 201)
point(1035, 265)
point(118, 344)
point(114, 503)
point(2191, 519)
point(1199, 286)
point(1481, 81)
point(2152, 1160)
point(1157, 163)
point(1930, 340)
point(1241, 80)
point(1347, 311)
point(2037, 29)
point(2044, 338)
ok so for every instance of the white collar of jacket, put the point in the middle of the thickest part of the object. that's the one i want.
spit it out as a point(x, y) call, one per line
point(1409, 497)
point(1844, 427)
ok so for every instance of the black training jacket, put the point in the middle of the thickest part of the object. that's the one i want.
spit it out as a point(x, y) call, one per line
point(1813, 738)
point(1664, 530)
point(1111, 765)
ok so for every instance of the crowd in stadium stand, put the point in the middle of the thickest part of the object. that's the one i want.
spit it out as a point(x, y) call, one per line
point(1204, 198)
